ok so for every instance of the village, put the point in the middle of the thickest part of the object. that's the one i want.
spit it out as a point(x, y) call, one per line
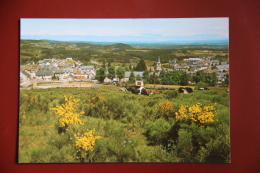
point(55, 72)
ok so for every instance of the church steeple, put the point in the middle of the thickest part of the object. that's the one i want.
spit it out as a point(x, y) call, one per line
point(158, 65)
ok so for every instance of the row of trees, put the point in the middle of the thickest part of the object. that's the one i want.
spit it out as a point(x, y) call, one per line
point(110, 72)
point(165, 78)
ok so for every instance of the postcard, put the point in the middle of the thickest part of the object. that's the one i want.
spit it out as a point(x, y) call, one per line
point(150, 90)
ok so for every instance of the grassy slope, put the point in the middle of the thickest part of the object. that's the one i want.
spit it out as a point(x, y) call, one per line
point(37, 125)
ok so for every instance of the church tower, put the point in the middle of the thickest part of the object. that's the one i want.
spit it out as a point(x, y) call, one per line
point(158, 65)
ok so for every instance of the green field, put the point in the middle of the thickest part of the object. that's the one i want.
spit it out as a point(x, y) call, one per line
point(128, 127)
point(35, 50)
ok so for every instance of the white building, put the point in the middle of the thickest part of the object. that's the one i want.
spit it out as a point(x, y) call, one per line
point(193, 59)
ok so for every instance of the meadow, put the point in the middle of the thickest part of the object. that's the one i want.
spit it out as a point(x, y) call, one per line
point(102, 124)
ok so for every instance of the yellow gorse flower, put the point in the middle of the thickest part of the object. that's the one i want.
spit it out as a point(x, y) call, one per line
point(165, 109)
point(87, 141)
point(181, 113)
point(197, 113)
point(68, 112)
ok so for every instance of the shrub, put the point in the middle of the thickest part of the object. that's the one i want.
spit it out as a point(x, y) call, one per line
point(184, 145)
point(197, 113)
point(217, 150)
point(157, 132)
point(68, 113)
point(171, 94)
point(166, 110)
point(85, 143)
point(200, 85)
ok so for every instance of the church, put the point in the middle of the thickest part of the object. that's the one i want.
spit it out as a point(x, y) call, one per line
point(158, 67)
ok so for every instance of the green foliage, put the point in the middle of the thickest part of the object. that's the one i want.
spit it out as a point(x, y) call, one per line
point(111, 72)
point(147, 78)
point(174, 78)
point(209, 79)
point(185, 78)
point(170, 94)
point(84, 52)
point(199, 76)
point(120, 72)
point(128, 124)
point(157, 131)
point(227, 79)
point(200, 85)
point(101, 74)
point(184, 145)
point(138, 77)
point(216, 151)
point(141, 66)
point(131, 77)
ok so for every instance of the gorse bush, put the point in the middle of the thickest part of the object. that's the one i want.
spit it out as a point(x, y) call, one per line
point(123, 127)
point(166, 110)
point(85, 143)
point(68, 113)
point(197, 114)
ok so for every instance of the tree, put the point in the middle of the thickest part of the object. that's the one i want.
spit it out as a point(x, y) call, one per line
point(162, 77)
point(111, 72)
point(141, 66)
point(127, 69)
point(132, 77)
point(101, 75)
point(199, 76)
point(120, 72)
point(227, 79)
point(211, 79)
point(185, 79)
point(138, 77)
point(173, 78)
point(147, 77)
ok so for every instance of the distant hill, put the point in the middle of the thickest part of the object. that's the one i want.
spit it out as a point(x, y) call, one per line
point(204, 44)
point(34, 41)
point(120, 46)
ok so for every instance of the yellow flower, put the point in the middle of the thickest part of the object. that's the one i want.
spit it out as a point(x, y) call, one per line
point(197, 114)
point(165, 109)
point(181, 113)
point(87, 141)
point(68, 112)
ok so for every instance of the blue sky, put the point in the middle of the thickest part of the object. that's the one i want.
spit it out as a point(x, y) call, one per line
point(161, 29)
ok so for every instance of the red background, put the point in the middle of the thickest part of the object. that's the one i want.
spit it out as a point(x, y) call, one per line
point(244, 18)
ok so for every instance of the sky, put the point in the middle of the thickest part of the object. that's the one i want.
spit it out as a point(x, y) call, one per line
point(126, 30)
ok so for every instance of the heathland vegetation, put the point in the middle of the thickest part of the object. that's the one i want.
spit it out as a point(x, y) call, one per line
point(103, 124)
